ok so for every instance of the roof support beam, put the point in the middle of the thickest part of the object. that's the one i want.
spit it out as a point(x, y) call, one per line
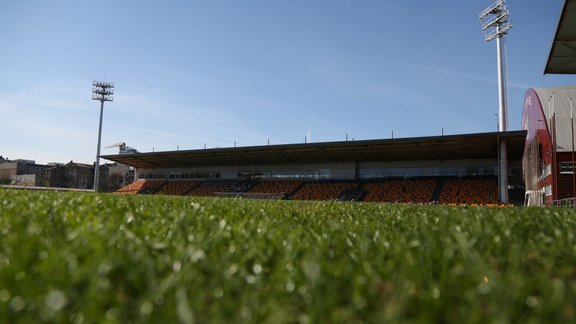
point(331, 158)
point(146, 160)
point(439, 156)
point(376, 153)
point(280, 155)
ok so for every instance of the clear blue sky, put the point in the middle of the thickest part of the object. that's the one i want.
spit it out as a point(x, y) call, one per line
point(190, 73)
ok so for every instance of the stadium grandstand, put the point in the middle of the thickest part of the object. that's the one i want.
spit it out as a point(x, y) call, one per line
point(454, 169)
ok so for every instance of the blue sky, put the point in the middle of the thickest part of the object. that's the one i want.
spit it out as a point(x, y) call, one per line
point(218, 72)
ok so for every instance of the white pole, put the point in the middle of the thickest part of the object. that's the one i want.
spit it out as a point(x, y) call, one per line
point(97, 166)
point(553, 168)
point(553, 107)
point(502, 109)
point(553, 144)
point(572, 137)
point(102, 91)
point(499, 19)
point(502, 122)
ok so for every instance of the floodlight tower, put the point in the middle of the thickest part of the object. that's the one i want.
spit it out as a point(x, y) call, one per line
point(495, 23)
point(102, 91)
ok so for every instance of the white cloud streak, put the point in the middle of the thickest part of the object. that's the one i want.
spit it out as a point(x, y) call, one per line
point(465, 75)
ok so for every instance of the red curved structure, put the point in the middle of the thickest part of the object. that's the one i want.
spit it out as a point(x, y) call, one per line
point(538, 151)
point(548, 160)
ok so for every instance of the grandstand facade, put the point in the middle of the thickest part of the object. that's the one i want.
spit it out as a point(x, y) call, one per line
point(447, 169)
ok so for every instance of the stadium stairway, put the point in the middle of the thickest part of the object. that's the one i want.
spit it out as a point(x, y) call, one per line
point(437, 191)
point(245, 185)
point(298, 188)
point(352, 195)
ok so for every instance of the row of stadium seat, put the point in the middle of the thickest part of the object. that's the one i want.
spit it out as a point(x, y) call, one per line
point(209, 190)
point(470, 192)
point(402, 191)
point(178, 188)
point(140, 185)
point(278, 187)
point(326, 190)
point(444, 191)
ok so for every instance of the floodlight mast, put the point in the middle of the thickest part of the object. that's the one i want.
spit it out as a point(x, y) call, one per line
point(101, 91)
point(495, 23)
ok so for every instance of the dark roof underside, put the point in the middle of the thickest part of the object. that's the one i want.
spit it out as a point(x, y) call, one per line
point(440, 148)
point(562, 57)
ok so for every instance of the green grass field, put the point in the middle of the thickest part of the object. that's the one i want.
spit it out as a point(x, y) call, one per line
point(85, 258)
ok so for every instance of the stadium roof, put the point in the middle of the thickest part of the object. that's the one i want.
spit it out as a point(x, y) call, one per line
point(439, 148)
point(562, 57)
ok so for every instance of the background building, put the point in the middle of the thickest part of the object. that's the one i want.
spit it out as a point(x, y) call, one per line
point(22, 172)
point(58, 175)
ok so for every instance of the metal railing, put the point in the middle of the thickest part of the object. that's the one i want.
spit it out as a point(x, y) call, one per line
point(566, 203)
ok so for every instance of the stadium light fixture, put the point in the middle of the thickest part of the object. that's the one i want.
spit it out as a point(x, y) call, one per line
point(101, 91)
point(495, 24)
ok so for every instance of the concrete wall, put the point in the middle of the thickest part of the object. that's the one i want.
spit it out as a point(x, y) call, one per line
point(24, 180)
point(7, 170)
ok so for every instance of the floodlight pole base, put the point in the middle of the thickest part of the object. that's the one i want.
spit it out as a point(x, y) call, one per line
point(503, 172)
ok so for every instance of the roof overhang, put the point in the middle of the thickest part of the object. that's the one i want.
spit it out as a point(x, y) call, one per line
point(439, 148)
point(562, 57)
